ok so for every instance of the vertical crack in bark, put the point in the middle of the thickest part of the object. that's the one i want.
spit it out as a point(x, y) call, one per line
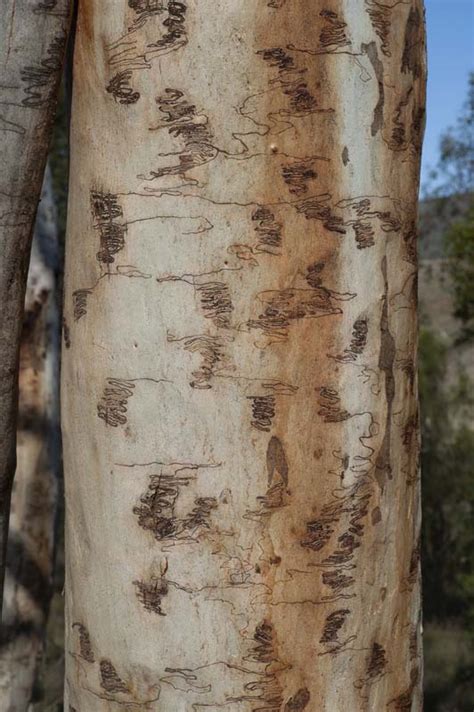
point(386, 365)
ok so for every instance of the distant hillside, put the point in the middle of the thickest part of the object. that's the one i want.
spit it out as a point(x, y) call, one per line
point(436, 216)
point(435, 289)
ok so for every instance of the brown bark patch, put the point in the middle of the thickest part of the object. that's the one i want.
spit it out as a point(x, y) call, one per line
point(372, 53)
point(298, 702)
point(412, 59)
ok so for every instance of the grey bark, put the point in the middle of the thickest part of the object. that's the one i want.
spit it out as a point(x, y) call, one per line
point(34, 498)
point(33, 36)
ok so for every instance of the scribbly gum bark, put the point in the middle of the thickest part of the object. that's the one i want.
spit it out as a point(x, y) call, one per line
point(33, 36)
point(239, 391)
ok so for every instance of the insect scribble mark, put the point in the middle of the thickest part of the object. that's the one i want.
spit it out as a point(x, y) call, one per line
point(216, 302)
point(120, 88)
point(269, 231)
point(333, 35)
point(151, 593)
point(337, 581)
point(133, 51)
point(399, 128)
point(317, 208)
point(386, 366)
point(330, 406)
point(353, 507)
point(319, 532)
point(157, 509)
point(360, 330)
point(85, 645)
point(288, 305)
point(313, 274)
point(79, 302)
point(297, 176)
point(174, 23)
point(145, 9)
point(365, 235)
point(212, 352)
point(380, 17)
point(214, 296)
point(106, 212)
point(182, 121)
point(263, 650)
point(112, 407)
point(298, 702)
point(291, 81)
point(110, 681)
point(407, 123)
point(41, 80)
point(263, 412)
point(377, 662)
point(125, 52)
point(334, 623)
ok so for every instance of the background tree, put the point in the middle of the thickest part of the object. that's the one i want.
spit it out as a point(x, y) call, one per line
point(460, 253)
point(33, 37)
point(447, 398)
point(28, 584)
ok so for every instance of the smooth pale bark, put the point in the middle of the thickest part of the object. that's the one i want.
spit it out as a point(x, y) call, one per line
point(33, 508)
point(239, 388)
point(33, 37)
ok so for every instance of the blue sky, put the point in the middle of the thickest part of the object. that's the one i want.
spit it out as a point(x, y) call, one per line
point(450, 26)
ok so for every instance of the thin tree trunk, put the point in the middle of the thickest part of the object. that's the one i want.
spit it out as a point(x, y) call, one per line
point(32, 522)
point(240, 411)
point(32, 41)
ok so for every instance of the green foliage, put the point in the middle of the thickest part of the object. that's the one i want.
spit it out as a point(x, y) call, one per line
point(449, 669)
point(460, 252)
point(448, 486)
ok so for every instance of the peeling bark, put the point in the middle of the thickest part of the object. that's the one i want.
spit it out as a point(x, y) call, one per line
point(32, 42)
point(239, 356)
point(32, 520)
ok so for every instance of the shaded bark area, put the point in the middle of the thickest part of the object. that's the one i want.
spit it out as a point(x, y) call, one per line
point(32, 521)
point(33, 38)
point(240, 413)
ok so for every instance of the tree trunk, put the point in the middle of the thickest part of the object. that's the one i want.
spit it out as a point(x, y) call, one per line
point(32, 521)
point(239, 388)
point(32, 42)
